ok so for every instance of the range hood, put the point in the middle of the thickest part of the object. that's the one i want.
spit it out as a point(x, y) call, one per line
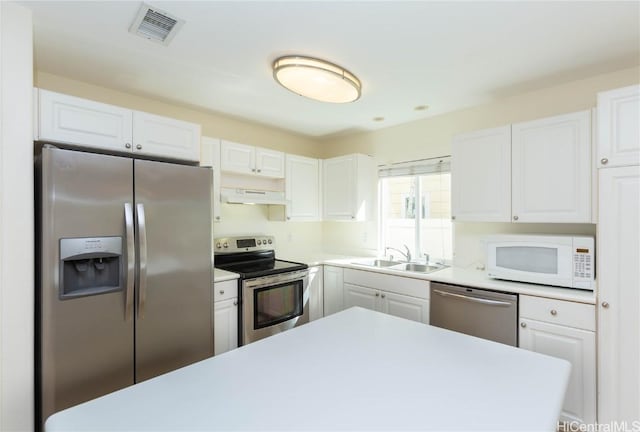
point(252, 196)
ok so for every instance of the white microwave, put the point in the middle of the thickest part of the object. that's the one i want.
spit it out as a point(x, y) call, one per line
point(565, 261)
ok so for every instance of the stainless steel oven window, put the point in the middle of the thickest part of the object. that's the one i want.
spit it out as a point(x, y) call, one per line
point(277, 303)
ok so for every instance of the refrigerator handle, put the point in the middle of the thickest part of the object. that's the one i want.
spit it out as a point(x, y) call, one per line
point(142, 255)
point(131, 260)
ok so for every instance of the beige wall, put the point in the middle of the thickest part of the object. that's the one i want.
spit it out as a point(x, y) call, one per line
point(431, 137)
point(213, 124)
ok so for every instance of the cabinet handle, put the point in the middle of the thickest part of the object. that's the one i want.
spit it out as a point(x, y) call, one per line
point(259, 170)
point(377, 294)
point(604, 161)
point(288, 217)
point(554, 312)
point(453, 218)
point(253, 170)
point(523, 324)
point(383, 296)
point(515, 218)
point(235, 302)
point(605, 305)
point(139, 147)
point(217, 217)
point(221, 292)
point(128, 145)
point(353, 217)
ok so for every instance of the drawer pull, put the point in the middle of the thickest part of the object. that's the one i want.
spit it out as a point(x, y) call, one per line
point(605, 305)
point(523, 324)
point(235, 302)
point(554, 312)
point(221, 292)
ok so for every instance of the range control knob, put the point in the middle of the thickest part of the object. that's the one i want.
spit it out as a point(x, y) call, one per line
point(218, 245)
point(269, 241)
point(259, 242)
point(225, 245)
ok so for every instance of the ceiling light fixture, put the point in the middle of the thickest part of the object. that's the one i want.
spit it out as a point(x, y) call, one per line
point(316, 79)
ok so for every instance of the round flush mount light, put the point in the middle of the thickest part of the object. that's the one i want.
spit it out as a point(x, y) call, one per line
point(316, 79)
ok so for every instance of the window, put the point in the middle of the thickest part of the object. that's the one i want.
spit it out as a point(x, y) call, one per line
point(415, 209)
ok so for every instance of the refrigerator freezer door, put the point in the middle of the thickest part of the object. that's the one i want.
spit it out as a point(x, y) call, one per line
point(174, 303)
point(85, 340)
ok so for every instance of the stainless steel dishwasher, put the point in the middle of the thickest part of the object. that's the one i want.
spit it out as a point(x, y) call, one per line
point(485, 314)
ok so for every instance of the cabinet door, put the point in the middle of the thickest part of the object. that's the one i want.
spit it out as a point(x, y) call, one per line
point(578, 347)
point(618, 127)
point(356, 295)
point(302, 188)
point(316, 294)
point(210, 156)
point(339, 179)
point(619, 294)
point(551, 169)
point(225, 325)
point(165, 137)
point(269, 163)
point(333, 290)
point(481, 176)
point(402, 306)
point(71, 120)
point(239, 158)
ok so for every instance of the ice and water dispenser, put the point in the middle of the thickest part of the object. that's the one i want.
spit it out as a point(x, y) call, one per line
point(90, 266)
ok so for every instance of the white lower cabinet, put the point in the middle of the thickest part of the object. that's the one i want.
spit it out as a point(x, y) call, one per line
point(565, 330)
point(412, 308)
point(225, 313)
point(316, 295)
point(333, 290)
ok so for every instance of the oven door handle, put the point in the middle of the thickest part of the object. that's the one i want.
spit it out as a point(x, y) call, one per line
point(473, 299)
point(276, 279)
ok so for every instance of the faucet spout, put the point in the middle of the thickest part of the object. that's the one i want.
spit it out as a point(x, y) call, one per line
point(406, 255)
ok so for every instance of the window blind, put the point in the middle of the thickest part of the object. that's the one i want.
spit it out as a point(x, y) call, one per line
point(416, 167)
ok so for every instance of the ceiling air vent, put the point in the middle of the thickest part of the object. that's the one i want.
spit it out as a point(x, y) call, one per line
point(155, 25)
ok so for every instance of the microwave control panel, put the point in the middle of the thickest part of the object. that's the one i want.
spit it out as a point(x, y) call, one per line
point(583, 259)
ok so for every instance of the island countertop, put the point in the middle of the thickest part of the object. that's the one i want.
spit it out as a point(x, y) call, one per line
point(354, 370)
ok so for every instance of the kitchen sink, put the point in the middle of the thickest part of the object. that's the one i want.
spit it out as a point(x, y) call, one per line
point(378, 263)
point(420, 268)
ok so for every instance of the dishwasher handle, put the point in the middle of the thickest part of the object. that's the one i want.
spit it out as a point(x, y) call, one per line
point(473, 299)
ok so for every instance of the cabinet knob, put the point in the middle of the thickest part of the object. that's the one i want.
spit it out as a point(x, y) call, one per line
point(453, 218)
point(253, 170)
point(259, 170)
point(605, 305)
point(383, 296)
point(235, 302)
point(128, 145)
point(515, 218)
point(523, 324)
point(377, 294)
point(217, 217)
point(221, 291)
point(353, 217)
point(604, 161)
point(288, 217)
point(554, 312)
point(139, 146)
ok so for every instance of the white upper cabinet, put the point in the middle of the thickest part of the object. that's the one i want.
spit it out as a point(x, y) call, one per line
point(551, 169)
point(302, 188)
point(481, 183)
point(537, 171)
point(245, 159)
point(70, 120)
point(618, 127)
point(155, 135)
point(349, 184)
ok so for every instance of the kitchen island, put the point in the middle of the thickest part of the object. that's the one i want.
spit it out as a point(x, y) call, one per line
point(354, 370)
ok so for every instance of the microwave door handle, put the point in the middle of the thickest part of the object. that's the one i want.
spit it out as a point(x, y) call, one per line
point(473, 299)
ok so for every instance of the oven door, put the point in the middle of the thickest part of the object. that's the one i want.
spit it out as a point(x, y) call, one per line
point(273, 304)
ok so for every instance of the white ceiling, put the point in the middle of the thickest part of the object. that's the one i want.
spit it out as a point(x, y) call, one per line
point(447, 55)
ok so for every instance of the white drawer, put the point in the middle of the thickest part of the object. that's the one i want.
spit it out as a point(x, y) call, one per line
point(225, 290)
point(578, 315)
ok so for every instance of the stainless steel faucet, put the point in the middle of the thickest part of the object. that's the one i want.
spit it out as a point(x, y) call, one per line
point(406, 255)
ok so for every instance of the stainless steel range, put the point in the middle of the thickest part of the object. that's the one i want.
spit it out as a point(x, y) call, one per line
point(273, 293)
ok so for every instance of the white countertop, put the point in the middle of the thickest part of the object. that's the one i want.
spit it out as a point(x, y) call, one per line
point(354, 370)
point(472, 278)
point(223, 275)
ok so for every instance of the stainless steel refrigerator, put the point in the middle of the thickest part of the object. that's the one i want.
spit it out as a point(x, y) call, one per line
point(124, 273)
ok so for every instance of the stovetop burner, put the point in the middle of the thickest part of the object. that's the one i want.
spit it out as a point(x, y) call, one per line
point(251, 257)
